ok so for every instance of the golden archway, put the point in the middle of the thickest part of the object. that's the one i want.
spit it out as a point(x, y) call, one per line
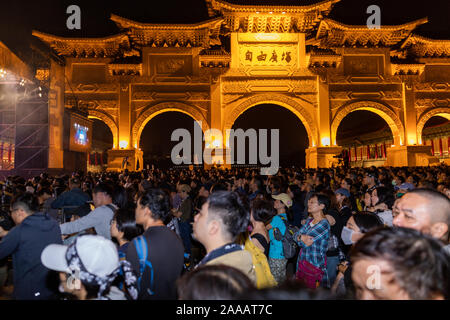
point(159, 108)
point(94, 114)
point(278, 99)
point(427, 115)
point(394, 123)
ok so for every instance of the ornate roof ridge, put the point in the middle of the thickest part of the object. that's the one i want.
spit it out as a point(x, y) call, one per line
point(423, 46)
point(287, 8)
point(334, 33)
point(96, 47)
point(414, 36)
point(124, 23)
point(50, 37)
point(364, 28)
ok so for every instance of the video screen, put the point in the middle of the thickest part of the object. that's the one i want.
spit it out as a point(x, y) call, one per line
point(81, 134)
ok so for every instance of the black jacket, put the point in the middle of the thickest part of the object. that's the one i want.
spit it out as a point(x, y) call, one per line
point(74, 197)
point(25, 243)
point(165, 252)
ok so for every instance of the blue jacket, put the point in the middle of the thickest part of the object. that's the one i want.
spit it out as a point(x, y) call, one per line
point(25, 242)
point(74, 197)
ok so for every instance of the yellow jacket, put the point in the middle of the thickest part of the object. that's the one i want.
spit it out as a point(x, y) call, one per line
point(241, 260)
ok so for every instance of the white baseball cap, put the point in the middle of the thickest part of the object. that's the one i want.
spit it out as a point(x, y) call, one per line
point(98, 255)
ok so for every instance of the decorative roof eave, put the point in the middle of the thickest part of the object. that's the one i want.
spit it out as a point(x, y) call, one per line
point(215, 61)
point(270, 19)
point(407, 69)
point(219, 5)
point(330, 23)
point(125, 69)
point(106, 47)
point(203, 34)
point(130, 24)
point(426, 47)
point(332, 33)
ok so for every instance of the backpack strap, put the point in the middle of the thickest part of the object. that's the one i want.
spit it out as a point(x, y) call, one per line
point(113, 209)
point(285, 223)
point(142, 252)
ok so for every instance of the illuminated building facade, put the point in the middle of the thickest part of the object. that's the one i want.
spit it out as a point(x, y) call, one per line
point(292, 56)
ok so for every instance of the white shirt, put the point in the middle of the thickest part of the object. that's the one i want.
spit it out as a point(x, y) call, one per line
point(386, 217)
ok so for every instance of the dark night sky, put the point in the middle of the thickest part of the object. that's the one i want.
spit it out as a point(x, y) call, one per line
point(19, 18)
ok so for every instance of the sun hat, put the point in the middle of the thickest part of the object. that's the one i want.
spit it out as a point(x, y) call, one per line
point(283, 197)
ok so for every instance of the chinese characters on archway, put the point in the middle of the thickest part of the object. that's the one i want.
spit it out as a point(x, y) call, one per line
point(268, 56)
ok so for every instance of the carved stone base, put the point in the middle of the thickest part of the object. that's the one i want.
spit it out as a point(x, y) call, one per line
point(322, 157)
point(116, 160)
point(410, 156)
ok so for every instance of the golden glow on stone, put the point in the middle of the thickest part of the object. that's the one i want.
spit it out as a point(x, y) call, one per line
point(326, 141)
point(123, 144)
point(268, 37)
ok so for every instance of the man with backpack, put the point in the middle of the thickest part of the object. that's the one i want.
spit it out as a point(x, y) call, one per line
point(157, 256)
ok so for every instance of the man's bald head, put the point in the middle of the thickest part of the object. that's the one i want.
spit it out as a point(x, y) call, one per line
point(438, 204)
point(425, 210)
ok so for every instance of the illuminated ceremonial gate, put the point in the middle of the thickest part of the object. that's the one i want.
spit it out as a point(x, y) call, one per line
point(292, 56)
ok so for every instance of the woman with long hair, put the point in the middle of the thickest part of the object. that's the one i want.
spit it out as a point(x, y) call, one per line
point(262, 212)
point(359, 224)
point(344, 204)
point(382, 200)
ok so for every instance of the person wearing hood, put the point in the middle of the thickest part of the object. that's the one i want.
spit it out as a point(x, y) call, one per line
point(34, 230)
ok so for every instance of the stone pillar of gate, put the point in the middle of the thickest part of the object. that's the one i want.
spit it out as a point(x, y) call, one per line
point(56, 115)
point(322, 157)
point(216, 140)
point(322, 154)
point(126, 155)
point(411, 153)
point(409, 115)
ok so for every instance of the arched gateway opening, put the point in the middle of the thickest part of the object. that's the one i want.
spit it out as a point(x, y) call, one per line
point(155, 139)
point(436, 133)
point(293, 137)
point(102, 141)
point(365, 137)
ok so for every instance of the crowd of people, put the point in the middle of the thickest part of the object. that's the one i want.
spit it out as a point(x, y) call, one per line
point(339, 233)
